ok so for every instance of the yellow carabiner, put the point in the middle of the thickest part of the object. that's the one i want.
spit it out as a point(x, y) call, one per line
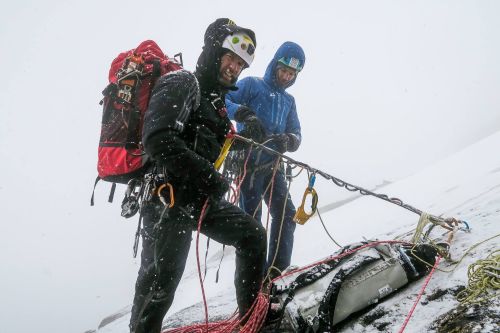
point(301, 216)
point(162, 198)
point(223, 153)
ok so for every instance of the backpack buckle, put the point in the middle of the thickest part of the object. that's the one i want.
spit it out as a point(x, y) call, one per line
point(219, 106)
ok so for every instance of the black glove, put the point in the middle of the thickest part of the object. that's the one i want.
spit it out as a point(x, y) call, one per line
point(214, 186)
point(293, 142)
point(253, 127)
point(280, 142)
point(285, 142)
point(243, 113)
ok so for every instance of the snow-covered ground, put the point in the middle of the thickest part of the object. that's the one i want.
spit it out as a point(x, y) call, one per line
point(389, 87)
point(465, 185)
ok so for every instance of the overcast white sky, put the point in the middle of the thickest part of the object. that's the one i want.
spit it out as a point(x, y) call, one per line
point(388, 87)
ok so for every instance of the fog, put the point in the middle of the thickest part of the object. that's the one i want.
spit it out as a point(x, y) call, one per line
point(388, 88)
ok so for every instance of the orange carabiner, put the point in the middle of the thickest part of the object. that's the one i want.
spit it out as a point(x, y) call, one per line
point(171, 203)
point(301, 216)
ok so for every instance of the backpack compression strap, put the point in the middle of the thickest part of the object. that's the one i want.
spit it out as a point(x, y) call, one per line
point(135, 115)
point(328, 303)
point(111, 192)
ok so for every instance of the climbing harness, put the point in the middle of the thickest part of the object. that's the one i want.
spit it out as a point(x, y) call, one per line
point(301, 216)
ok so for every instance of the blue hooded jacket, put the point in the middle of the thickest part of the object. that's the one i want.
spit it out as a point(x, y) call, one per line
point(271, 103)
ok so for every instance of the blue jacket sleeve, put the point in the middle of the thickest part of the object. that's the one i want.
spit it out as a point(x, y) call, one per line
point(293, 128)
point(236, 98)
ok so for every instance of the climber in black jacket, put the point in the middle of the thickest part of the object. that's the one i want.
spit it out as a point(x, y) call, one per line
point(184, 129)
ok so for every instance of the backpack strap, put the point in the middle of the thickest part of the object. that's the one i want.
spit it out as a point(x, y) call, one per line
point(133, 122)
point(95, 184)
point(328, 303)
point(156, 73)
point(135, 114)
point(111, 192)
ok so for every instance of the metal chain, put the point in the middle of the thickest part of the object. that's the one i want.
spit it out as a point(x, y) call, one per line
point(339, 182)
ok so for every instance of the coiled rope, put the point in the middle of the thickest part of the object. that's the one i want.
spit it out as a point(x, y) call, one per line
point(484, 280)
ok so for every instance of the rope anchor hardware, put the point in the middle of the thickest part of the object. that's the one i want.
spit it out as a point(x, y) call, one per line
point(301, 216)
point(132, 200)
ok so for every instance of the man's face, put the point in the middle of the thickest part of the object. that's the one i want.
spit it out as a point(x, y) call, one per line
point(284, 75)
point(231, 66)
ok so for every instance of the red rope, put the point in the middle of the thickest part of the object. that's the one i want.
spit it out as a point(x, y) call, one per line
point(200, 219)
point(419, 295)
point(242, 178)
point(257, 313)
point(232, 189)
point(256, 317)
point(340, 256)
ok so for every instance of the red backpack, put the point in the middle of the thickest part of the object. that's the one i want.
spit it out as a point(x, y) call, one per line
point(132, 77)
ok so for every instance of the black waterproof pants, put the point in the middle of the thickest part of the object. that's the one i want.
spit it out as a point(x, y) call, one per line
point(166, 243)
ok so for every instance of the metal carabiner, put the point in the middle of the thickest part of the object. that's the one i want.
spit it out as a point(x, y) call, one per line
point(301, 216)
point(171, 203)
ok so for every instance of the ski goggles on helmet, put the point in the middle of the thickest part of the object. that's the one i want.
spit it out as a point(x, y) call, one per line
point(291, 62)
point(242, 45)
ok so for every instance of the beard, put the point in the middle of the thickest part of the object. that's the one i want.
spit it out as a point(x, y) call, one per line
point(225, 83)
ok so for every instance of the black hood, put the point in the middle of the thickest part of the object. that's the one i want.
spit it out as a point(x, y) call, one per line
point(207, 68)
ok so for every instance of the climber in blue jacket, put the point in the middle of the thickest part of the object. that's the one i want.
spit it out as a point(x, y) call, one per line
point(265, 112)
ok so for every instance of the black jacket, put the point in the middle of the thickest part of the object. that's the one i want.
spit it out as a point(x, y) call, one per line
point(184, 132)
point(186, 122)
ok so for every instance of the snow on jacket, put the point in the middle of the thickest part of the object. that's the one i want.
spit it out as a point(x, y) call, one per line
point(271, 103)
point(183, 129)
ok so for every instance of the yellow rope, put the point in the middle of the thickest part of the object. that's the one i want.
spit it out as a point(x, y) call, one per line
point(484, 280)
point(422, 222)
